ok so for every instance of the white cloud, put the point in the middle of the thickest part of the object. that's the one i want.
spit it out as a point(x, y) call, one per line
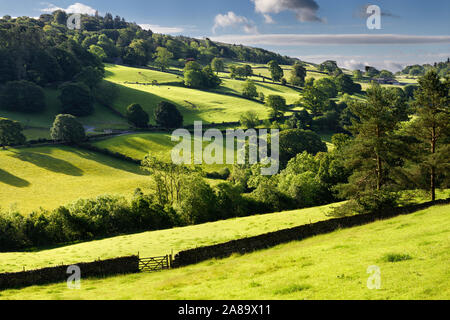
point(74, 8)
point(392, 62)
point(330, 39)
point(268, 18)
point(305, 10)
point(233, 20)
point(160, 29)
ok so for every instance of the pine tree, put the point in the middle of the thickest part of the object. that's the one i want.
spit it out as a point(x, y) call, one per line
point(432, 127)
point(376, 153)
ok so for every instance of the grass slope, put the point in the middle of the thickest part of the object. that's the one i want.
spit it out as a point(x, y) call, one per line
point(159, 145)
point(193, 104)
point(412, 252)
point(51, 176)
point(162, 242)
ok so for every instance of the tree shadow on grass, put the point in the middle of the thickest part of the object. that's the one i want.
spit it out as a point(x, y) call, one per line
point(49, 163)
point(110, 161)
point(12, 180)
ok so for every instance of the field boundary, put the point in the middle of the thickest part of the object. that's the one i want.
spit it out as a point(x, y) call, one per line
point(272, 239)
point(96, 269)
point(134, 264)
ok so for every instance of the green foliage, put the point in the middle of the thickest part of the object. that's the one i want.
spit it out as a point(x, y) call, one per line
point(277, 105)
point(374, 155)
point(298, 75)
point(196, 202)
point(327, 86)
point(329, 66)
point(249, 120)
point(22, 96)
point(137, 116)
point(66, 128)
point(11, 133)
point(249, 89)
point(196, 77)
point(276, 71)
point(345, 84)
point(313, 100)
point(168, 116)
point(295, 141)
point(90, 76)
point(218, 65)
point(163, 57)
point(76, 99)
point(431, 128)
point(237, 72)
point(98, 52)
point(300, 120)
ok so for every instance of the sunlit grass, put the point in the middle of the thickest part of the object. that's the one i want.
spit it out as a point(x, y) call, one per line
point(331, 266)
point(157, 243)
point(48, 177)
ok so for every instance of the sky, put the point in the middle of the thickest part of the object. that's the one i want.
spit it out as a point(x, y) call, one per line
point(412, 31)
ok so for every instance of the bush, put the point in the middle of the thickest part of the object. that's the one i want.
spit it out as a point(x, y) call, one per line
point(22, 96)
point(196, 202)
point(168, 116)
point(11, 133)
point(76, 99)
point(66, 128)
point(295, 141)
point(137, 116)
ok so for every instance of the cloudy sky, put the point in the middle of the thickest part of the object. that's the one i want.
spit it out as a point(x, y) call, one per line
point(412, 31)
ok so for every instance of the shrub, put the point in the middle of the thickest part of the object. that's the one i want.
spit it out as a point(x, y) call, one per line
point(10, 133)
point(168, 116)
point(295, 141)
point(66, 128)
point(249, 89)
point(137, 116)
point(22, 96)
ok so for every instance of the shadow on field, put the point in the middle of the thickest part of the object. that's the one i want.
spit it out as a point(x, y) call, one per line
point(12, 180)
point(49, 163)
point(147, 100)
point(268, 87)
point(110, 162)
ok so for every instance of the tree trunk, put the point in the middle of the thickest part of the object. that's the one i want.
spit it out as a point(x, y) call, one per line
point(433, 168)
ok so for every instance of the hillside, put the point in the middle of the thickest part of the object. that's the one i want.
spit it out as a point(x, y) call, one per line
point(411, 251)
point(48, 177)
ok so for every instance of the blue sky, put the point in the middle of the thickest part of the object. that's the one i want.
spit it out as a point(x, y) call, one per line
point(412, 31)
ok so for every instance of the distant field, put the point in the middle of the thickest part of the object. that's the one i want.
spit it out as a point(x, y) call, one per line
point(162, 242)
point(412, 253)
point(235, 86)
point(193, 104)
point(51, 176)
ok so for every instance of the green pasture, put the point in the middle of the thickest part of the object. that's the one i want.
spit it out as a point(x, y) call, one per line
point(48, 177)
point(411, 252)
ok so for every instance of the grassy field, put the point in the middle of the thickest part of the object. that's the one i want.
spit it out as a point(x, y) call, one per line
point(159, 145)
point(51, 176)
point(411, 251)
point(162, 242)
point(193, 104)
